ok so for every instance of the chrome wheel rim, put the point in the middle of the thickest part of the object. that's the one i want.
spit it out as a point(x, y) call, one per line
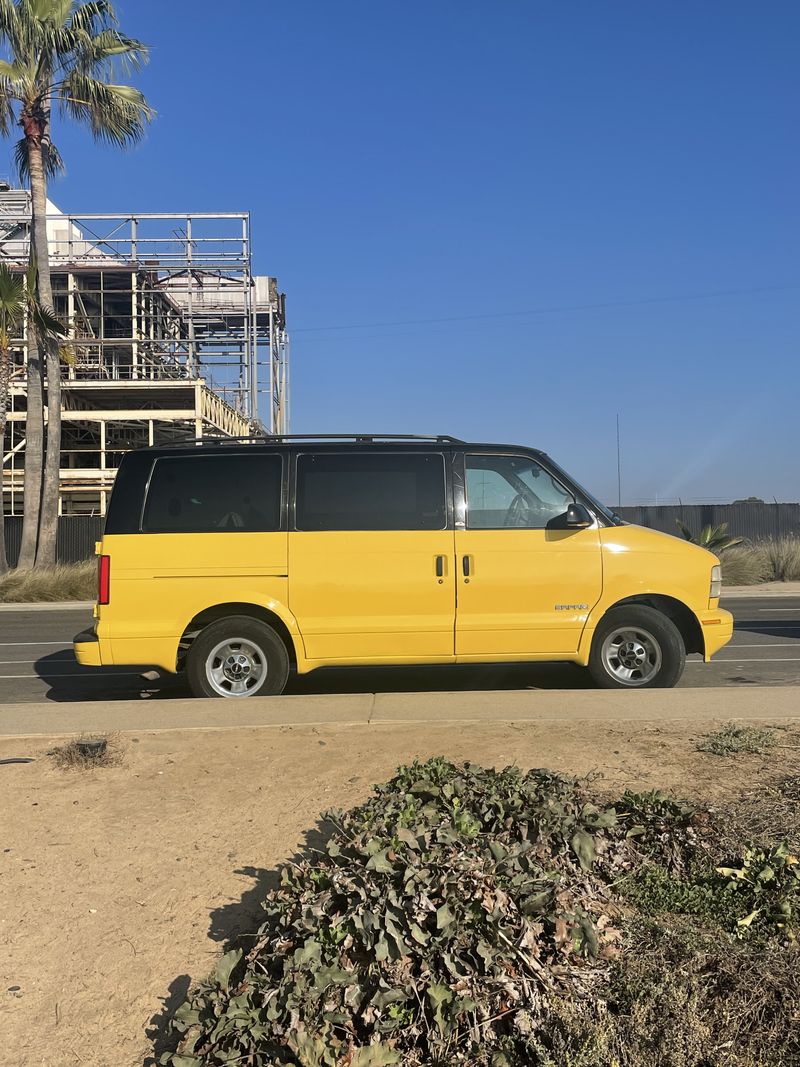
point(631, 655)
point(236, 668)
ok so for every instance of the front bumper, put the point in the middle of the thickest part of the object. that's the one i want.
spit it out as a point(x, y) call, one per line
point(86, 645)
point(717, 630)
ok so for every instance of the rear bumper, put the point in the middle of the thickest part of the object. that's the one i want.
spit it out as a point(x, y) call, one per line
point(717, 630)
point(86, 645)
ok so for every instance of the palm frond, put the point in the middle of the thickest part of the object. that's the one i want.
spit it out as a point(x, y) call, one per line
point(51, 160)
point(117, 114)
point(45, 321)
point(93, 17)
point(7, 116)
point(14, 72)
point(9, 22)
point(48, 11)
point(66, 353)
point(101, 51)
point(12, 293)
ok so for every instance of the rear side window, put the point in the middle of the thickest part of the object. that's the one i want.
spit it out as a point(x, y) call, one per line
point(208, 494)
point(370, 491)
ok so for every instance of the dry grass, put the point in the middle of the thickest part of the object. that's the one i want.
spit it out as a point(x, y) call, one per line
point(745, 565)
point(783, 555)
point(769, 814)
point(732, 739)
point(67, 581)
point(774, 560)
point(70, 756)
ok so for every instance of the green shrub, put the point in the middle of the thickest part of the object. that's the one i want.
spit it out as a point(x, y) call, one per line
point(470, 916)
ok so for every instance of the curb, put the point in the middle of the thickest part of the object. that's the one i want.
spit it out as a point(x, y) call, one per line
point(368, 710)
point(773, 589)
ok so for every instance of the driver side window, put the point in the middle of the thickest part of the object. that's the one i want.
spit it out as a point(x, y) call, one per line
point(513, 492)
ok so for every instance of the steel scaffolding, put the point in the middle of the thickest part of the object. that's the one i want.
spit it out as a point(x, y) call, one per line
point(169, 332)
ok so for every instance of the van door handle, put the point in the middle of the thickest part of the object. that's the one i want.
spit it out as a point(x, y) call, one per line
point(440, 566)
point(465, 566)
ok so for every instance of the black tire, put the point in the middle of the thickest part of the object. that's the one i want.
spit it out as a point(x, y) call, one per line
point(250, 658)
point(636, 647)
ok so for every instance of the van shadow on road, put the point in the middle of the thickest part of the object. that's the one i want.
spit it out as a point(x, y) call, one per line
point(68, 682)
point(786, 628)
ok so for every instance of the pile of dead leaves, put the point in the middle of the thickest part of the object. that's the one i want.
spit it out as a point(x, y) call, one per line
point(450, 920)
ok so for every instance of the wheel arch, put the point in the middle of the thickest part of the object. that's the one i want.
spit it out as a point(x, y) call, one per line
point(676, 611)
point(253, 611)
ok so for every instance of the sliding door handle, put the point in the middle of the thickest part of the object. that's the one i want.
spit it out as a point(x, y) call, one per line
point(465, 566)
point(440, 566)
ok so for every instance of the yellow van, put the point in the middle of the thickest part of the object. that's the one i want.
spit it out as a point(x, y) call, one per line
point(239, 561)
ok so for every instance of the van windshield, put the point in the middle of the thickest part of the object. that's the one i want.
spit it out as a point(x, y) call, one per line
point(605, 511)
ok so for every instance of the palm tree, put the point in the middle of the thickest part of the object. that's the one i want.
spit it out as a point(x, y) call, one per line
point(17, 301)
point(714, 538)
point(62, 53)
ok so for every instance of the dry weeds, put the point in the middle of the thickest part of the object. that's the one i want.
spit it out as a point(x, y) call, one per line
point(73, 754)
point(66, 581)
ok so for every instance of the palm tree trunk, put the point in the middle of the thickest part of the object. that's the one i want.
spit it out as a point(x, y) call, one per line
point(5, 378)
point(48, 517)
point(34, 433)
point(3, 556)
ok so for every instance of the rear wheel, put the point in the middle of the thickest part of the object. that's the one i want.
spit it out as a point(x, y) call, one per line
point(237, 657)
point(636, 647)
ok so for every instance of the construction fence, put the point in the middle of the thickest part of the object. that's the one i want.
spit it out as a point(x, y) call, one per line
point(77, 534)
point(753, 521)
point(76, 537)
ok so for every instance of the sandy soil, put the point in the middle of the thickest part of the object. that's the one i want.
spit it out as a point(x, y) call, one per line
point(119, 886)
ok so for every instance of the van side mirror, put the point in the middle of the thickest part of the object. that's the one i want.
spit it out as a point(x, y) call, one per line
point(578, 516)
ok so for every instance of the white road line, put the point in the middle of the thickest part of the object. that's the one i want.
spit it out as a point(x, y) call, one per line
point(4, 663)
point(763, 644)
point(777, 609)
point(73, 674)
point(17, 644)
point(740, 659)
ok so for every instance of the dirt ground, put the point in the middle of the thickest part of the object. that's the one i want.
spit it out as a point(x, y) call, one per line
point(120, 885)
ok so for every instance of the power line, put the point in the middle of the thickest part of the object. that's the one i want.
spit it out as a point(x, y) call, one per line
point(552, 310)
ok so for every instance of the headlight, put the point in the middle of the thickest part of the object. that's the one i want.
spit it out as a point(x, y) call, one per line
point(716, 582)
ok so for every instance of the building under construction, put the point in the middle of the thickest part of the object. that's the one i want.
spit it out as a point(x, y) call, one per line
point(169, 336)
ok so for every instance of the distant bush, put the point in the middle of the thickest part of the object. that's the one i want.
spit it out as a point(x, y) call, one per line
point(67, 581)
point(783, 555)
point(773, 560)
point(464, 916)
point(745, 565)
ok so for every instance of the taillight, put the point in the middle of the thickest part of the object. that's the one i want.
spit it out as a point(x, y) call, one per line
point(104, 580)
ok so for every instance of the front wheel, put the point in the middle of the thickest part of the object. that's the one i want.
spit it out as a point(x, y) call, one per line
point(636, 647)
point(237, 657)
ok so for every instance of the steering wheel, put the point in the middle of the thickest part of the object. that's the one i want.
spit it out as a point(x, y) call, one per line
point(518, 512)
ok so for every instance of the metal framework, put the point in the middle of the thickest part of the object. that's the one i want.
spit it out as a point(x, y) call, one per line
point(169, 333)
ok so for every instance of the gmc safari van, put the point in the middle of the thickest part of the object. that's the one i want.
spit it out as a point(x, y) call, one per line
point(239, 561)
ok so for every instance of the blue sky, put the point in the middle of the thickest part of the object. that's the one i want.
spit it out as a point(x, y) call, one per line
point(506, 221)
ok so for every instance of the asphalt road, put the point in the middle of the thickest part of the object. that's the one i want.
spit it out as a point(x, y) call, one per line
point(36, 663)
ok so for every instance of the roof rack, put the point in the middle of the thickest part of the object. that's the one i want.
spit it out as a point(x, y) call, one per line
point(357, 438)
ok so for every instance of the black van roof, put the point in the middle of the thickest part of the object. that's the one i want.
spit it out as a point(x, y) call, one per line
point(190, 443)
